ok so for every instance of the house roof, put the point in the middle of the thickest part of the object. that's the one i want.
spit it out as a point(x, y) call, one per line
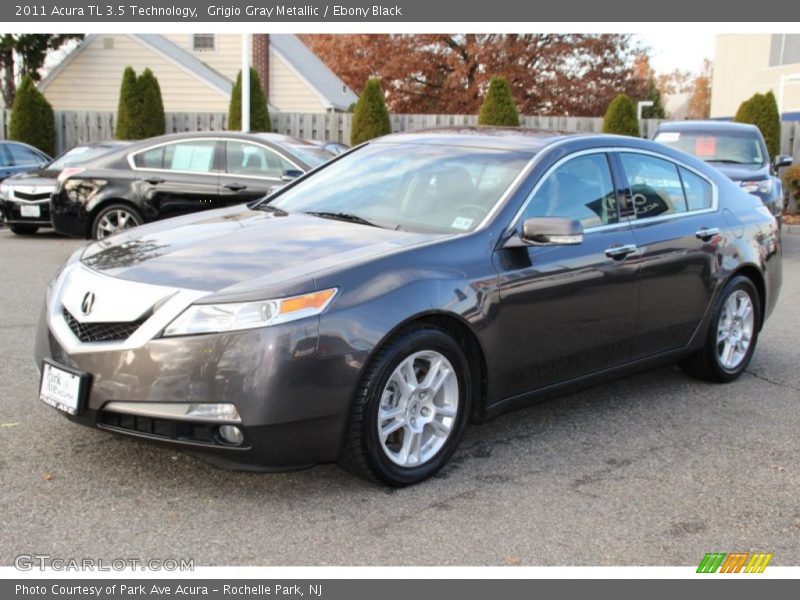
point(332, 91)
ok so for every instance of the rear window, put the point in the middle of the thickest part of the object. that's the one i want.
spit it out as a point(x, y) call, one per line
point(78, 155)
point(740, 148)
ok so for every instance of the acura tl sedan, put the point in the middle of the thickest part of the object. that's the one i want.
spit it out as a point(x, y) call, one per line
point(173, 175)
point(25, 197)
point(367, 311)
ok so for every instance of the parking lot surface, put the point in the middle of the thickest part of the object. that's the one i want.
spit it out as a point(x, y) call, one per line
point(648, 470)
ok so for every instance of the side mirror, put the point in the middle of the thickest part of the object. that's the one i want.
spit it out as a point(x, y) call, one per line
point(548, 231)
point(783, 160)
point(291, 174)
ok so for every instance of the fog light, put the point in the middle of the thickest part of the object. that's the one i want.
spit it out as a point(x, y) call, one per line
point(231, 434)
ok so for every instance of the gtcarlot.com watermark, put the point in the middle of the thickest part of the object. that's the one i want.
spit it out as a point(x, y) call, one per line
point(46, 562)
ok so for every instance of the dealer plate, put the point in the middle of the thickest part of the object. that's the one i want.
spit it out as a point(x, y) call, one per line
point(63, 388)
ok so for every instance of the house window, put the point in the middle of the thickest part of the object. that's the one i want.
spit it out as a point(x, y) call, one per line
point(784, 49)
point(204, 42)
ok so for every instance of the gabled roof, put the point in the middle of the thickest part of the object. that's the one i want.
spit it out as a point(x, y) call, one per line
point(332, 91)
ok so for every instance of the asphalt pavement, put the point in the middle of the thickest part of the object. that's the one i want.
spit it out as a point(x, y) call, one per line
point(654, 469)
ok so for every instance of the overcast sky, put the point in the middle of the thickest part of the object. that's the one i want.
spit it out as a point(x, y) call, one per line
point(670, 51)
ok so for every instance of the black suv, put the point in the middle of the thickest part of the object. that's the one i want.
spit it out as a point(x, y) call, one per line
point(736, 149)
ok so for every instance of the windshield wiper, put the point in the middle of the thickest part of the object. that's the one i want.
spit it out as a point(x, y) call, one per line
point(342, 216)
point(729, 161)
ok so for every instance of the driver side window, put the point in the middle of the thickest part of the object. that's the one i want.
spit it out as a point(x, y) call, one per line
point(580, 189)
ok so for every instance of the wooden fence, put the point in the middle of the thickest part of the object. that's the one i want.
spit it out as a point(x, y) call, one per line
point(80, 127)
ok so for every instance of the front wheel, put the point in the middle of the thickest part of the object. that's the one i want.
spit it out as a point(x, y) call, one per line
point(113, 219)
point(732, 336)
point(410, 409)
point(24, 229)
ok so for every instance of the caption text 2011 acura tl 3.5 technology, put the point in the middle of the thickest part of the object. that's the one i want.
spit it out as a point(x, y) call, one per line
point(370, 309)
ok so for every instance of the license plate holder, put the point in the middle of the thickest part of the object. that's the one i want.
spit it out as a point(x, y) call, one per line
point(64, 388)
point(31, 211)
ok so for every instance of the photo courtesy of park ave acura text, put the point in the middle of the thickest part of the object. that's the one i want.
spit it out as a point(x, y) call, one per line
point(394, 297)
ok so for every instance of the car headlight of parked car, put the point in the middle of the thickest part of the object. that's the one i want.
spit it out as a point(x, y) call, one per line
point(5, 190)
point(237, 316)
point(761, 186)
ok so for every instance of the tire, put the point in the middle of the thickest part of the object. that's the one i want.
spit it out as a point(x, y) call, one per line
point(106, 222)
point(710, 363)
point(24, 229)
point(395, 460)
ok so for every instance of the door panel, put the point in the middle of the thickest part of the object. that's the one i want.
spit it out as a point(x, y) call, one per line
point(251, 171)
point(567, 311)
point(179, 178)
point(677, 267)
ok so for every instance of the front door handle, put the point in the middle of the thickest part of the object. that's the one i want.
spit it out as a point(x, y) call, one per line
point(620, 251)
point(706, 233)
point(155, 180)
point(236, 187)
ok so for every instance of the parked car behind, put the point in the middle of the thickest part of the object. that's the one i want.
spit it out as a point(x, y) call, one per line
point(365, 312)
point(16, 157)
point(176, 174)
point(736, 149)
point(25, 197)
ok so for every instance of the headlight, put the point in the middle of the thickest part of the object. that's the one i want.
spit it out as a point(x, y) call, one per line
point(762, 186)
point(5, 191)
point(216, 318)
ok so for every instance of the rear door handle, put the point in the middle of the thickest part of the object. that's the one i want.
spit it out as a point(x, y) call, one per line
point(155, 180)
point(620, 251)
point(236, 187)
point(706, 233)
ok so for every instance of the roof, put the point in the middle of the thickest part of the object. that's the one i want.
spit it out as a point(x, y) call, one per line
point(706, 126)
point(499, 138)
point(332, 91)
point(160, 45)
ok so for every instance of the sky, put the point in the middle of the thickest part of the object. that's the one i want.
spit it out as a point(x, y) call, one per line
point(669, 51)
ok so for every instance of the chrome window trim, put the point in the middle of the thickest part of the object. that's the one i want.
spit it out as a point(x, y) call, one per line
point(625, 222)
point(133, 166)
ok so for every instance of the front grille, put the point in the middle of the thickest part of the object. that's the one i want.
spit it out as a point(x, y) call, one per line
point(30, 197)
point(102, 332)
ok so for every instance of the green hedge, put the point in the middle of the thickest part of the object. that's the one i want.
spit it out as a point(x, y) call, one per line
point(259, 113)
point(621, 118)
point(370, 117)
point(32, 118)
point(761, 110)
point(498, 106)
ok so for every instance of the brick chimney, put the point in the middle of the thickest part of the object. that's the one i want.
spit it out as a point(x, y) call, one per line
point(260, 59)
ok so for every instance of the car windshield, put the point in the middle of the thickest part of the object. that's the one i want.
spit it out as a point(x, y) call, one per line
point(78, 155)
point(311, 155)
point(731, 147)
point(406, 186)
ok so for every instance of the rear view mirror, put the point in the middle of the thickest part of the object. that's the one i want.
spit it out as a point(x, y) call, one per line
point(291, 174)
point(783, 160)
point(549, 231)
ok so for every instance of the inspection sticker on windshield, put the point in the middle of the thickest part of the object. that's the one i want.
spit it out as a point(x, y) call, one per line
point(462, 223)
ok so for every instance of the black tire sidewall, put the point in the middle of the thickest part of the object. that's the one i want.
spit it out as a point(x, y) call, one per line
point(736, 284)
point(115, 206)
point(415, 341)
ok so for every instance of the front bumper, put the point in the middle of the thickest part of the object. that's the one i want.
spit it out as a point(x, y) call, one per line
point(292, 405)
point(12, 212)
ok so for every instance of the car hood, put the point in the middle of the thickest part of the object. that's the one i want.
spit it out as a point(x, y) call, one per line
point(37, 177)
point(742, 172)
point(237, 249)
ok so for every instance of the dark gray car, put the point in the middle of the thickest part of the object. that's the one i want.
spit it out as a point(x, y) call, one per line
point(367, 311)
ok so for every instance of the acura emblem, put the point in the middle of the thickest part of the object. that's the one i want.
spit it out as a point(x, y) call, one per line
point(88, 303)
